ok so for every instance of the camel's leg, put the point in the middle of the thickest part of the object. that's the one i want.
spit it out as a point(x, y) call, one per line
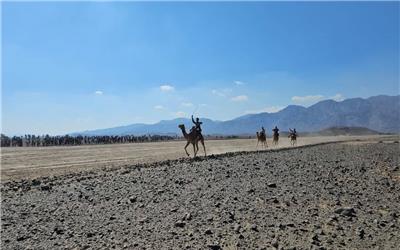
point(197, 147)
point(257, 143)
point(194, 149)
point(187, 144)
point(204, 147)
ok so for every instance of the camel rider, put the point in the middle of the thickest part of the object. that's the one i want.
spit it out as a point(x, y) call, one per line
point(197, 124)
point(263, 130)
point(276, 130)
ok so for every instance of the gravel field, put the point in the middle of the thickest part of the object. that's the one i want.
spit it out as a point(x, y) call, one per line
point(333, 196)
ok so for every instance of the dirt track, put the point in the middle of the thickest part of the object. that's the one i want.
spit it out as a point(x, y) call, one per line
point(17, 163)
point(335, 196)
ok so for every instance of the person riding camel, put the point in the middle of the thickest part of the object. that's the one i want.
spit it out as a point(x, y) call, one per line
point(197, 124)
point(276, 130)
point(263, 130)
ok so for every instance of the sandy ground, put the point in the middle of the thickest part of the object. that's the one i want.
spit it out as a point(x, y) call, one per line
point(30, 162)
point(332, 196)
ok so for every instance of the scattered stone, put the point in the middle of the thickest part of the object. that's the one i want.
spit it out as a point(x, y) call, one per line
point(236, 228)
point(59, 230)
point(275, 243)
point(180, 224)
point(271, 185)
point(132, 199)
point(45, 187)
point(90, 234)
point(346, 211)
point(36, 182)
point(188, 216)
point(214, 247)
point(208, 232)
point(254, 227)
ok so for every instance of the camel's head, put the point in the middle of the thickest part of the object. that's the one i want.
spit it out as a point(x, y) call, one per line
point(181, 126)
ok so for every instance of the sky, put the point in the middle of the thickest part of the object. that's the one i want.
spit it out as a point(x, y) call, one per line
point(76, 66)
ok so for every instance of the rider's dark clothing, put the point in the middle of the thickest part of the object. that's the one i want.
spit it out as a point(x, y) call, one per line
point(197, 124)
point(276, 131)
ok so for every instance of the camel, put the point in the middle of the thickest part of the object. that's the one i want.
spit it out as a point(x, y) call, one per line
point(261, 137)
point(275, 139)
point(193, 137)
point(293, 138)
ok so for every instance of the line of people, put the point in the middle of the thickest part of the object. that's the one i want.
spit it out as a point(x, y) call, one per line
point(47, 140)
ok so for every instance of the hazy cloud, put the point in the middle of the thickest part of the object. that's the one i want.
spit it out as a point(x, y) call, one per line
point(240, 98)
point(307, 99)
point(98, 92)
point(218, 93)
point(222, 92)
point(187, 104)
point(159, 107)
point(338, 97)
point(180, 114)
point(239, 83)
point(166, 88)
point(271, 109)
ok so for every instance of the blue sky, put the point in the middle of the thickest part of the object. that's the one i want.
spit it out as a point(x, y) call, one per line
point(75, 66)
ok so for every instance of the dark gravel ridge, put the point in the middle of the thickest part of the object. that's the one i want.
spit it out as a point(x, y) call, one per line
point(332, 196)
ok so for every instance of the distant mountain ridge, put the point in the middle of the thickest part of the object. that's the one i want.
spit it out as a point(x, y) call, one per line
point(380, 113)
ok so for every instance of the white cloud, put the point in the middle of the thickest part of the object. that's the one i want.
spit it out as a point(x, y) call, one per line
point(338, 97)
point(239, 82)
point(218, 93)
point(180, 114)
point(222, 93)
point(159, 107)
point(187, 104)
point(240, 98)
point(166, 88)
point(98, 92)
point(271, 109)
point(307, 99)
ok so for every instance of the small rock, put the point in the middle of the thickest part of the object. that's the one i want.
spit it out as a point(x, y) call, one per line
point(346, 211)
point(208, 232)
point(214, 247)
point(254, 227)
point(271, 185)
point(180, 224)
point(187, 216)
point(89, 235)
point(36, 182)
point(132, 199)
point(45, 187)
point(361, 233)
point(275, 243)
point(236, 228)
point(58, 230)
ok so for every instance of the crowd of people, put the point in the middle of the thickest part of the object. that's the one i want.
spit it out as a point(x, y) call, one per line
point(69, 140)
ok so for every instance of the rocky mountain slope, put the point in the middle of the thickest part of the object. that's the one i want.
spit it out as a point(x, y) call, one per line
point(380, 113)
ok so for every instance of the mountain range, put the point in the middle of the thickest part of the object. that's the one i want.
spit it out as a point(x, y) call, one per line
point(380, 113)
